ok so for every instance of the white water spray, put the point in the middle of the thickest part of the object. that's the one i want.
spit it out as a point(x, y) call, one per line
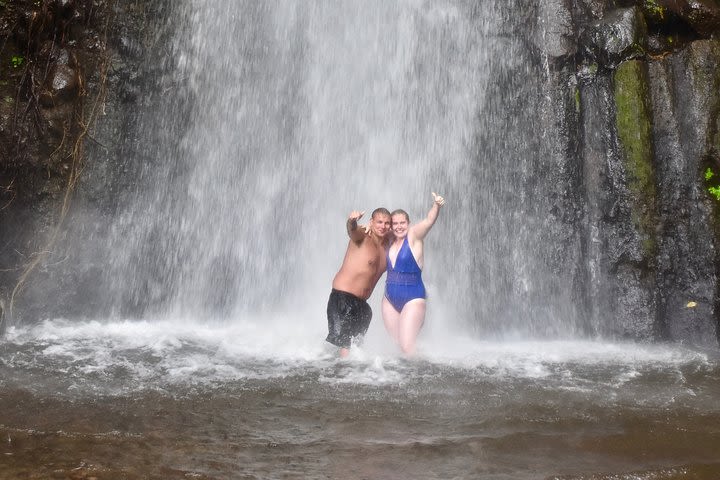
point(289, 115)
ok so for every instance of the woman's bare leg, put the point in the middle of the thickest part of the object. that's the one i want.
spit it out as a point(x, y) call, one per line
point(411, 321)
point(391, 318)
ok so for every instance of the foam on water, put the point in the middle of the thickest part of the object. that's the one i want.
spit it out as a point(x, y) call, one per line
point(147, 354)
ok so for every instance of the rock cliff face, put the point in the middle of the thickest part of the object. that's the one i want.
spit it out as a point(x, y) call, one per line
point(647, 82)
point(53, 69)
point(635, 96)
point(76, 77)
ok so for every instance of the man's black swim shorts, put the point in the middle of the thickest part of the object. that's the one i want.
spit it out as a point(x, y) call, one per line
point(348, 318)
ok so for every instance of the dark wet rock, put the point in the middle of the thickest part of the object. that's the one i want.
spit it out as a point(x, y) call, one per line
point(57, 123)
point(63, 5)
point(51, 52)
point(62, 86)
point(590, 10)
point(651, 247)
point(620, 286)
point(658, 44)
point(703, 16)
point(635, 305)
point(555, 36)
point(64, 81)
point(673, 24)
point(620, 35)
point(686, 101)
point(130, 46)
point(70, 280)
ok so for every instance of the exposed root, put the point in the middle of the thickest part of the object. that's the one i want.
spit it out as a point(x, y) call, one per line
point(10, 190)
point(76, 168)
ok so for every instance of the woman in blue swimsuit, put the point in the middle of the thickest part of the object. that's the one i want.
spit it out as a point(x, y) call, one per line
point(403, 306)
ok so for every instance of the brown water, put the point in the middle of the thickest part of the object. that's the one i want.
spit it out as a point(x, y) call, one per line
point(78, 405)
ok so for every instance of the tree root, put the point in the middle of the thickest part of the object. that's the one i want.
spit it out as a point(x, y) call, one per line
point(76, 168)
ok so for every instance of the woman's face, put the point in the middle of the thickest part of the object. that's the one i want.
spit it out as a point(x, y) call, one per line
point(399, 225)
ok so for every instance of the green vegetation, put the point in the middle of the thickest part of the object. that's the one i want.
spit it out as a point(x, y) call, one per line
point(17, 61)
point(715, 191)
point(708, 80)
point(652, 8)
point(632, 115)
point(712, 185)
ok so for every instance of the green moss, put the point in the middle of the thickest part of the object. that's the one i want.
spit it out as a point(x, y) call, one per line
point(654, 10)
point(635, 134)
point(711, 163)
point(715, 192)
point(648, 245)
point(712, 186)
point(708, 80)
point(712, 183)
point(637, 50)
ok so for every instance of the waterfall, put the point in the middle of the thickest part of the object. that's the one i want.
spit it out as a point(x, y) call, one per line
point(282, 117)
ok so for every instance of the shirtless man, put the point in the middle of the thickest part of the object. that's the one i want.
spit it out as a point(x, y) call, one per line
point(348, 313)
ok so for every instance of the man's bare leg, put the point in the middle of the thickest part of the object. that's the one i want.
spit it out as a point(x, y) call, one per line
point(344, 352)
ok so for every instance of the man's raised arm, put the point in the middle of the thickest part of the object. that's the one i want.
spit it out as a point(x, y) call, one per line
point(356, 234)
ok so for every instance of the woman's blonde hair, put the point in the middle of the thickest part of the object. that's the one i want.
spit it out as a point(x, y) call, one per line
point(400, 211)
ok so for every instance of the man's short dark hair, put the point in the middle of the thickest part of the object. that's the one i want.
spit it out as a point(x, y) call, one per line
point(381, 211)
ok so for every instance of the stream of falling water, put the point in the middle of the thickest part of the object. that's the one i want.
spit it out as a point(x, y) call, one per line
point(285, 117)
point(288, 115)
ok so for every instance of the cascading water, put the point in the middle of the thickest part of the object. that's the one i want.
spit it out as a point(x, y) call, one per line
point(289, 115)
point(274, 121)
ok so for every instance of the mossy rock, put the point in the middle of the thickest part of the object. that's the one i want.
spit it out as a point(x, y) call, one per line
point(634, 131)
point(655, 12)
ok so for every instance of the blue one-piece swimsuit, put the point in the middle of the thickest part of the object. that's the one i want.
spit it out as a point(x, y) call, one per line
point(404, 280)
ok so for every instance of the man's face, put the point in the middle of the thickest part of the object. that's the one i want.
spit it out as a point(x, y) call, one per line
point(399, 225)
point(381, 225)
